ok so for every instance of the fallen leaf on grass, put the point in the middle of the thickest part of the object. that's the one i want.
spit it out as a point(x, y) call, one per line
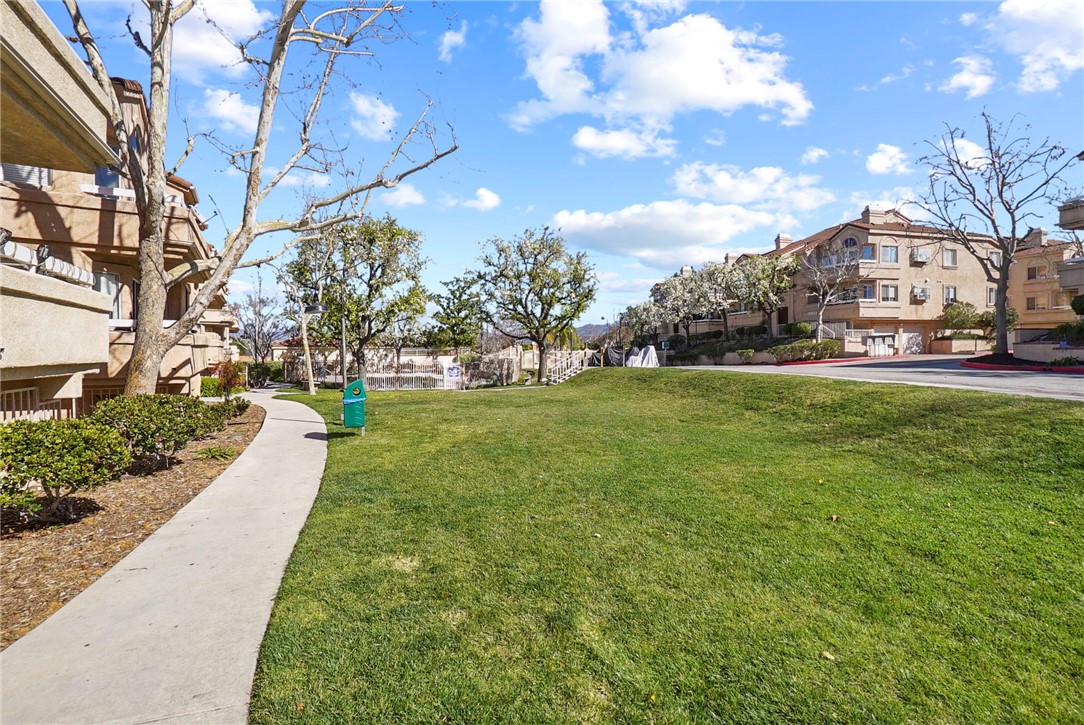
point(827, 655)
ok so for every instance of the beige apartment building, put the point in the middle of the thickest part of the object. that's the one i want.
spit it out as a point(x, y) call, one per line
point(68, 214)
point(1042, 282)
point(907, 274)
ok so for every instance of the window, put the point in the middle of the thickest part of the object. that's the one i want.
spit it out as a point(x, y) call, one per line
point(890, 254)
point(995, 259)
point(890, 293)
point(1033, 273)
point(869, 292)
point(850, 248)
point(869, 252)
point(1032, 303)
point(110, 284)
point(675, 328)
point(948, 258)
point(106, 176)
point(950, 295)
point(743, 307)
point(30, 175)
point(991, 296)
point(847, 295)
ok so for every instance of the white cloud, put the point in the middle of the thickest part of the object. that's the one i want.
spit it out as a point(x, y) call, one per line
point(484, 200)
point(230, 110)
point(299, 178)
point(887, 159)
point(373, 119)
point(974, 76)
point(663, 234)
point(968, 19)
point(450, 40)
point(1045, 36)
point(623, 143)
point(971, 154)
point(715, 137)
point(764, 187)
point(203, 42)
point(649, 75)
point(403, 195)
point(813, 154)
point(901, 198)
point(905, 71)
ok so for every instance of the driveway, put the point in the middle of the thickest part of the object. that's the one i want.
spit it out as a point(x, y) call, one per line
point(941, 371)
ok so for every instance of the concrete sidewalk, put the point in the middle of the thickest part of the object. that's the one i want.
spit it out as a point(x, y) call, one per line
point(171, 633)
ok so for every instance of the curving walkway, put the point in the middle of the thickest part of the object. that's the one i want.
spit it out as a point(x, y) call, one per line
point(171, 633)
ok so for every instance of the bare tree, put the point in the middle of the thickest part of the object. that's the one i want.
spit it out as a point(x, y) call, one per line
point(829, 272)
point(326, 37)
point(262, 323)
point(983, 196)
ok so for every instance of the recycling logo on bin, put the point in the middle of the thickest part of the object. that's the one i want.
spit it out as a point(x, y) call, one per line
point(453, 371)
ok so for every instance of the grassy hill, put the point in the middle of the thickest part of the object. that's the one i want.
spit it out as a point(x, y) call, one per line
point(673, 546)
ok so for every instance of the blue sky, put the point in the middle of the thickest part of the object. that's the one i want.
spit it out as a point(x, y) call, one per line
point(653, 134)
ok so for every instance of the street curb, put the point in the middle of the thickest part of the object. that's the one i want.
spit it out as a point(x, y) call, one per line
point(1023, 368)
point(843, 360)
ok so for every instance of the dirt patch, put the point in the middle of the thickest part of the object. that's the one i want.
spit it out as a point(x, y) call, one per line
point(45, 567)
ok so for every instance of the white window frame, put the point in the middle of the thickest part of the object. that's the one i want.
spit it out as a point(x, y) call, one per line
point(872, 248)
point(895, 293)
point(995, 259)
point(872, 286)
point(102, 277)
point(991, 296)
point(947, 254)
point(895, 250)
point(953, 298)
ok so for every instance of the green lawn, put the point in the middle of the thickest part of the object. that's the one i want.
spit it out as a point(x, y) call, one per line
point(659, 546)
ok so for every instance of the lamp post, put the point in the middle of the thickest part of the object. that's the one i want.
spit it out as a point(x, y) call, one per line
point(306, 312)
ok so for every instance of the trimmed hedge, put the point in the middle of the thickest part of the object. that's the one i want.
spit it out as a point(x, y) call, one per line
point(155, 427)
point(58, 456)
point(806, 350)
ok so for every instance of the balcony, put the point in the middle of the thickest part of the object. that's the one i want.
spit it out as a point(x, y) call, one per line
point(1071, 214)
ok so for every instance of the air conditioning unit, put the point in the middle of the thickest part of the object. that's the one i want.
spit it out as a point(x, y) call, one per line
point(921, 255)
point(920, 293)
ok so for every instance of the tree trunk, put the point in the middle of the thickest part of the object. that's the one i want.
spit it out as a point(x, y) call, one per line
point(308, 354)
point(726, 325)
point(1001, 303)
point(820, 321)
point(541, 360)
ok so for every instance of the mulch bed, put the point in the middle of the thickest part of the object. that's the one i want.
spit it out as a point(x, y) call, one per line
point(998, 359)
point(45, 566)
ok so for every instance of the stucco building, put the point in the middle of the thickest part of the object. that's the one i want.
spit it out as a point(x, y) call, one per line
point(62, 200)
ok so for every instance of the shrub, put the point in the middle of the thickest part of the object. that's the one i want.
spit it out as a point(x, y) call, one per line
point(1077, 303)
point(229, 376)
point(1066, 362)
point(155, 427)
point(959, 316)
point(208, 387)
point(986, 321)
point(259, 374)
point(59, 456)
point(677, 342)
point(216, 453)
point(806, 350)
point(1070, 331)
point(746, 355)
point(801, 329)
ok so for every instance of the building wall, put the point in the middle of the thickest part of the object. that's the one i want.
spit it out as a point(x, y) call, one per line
point(1036, 286)
point(91, 220)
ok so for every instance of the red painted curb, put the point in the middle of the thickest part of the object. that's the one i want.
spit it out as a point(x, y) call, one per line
point(843, 360)
point(1023, 368)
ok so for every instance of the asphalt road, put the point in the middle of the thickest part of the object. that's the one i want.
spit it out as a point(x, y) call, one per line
point(932, 370)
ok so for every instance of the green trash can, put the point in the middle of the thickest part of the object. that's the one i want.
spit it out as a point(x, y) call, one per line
point(354, 405)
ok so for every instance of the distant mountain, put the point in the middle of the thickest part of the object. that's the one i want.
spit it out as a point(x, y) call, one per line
point(591, 331)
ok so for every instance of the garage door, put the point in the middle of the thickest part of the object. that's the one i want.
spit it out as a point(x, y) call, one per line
point(914, 341)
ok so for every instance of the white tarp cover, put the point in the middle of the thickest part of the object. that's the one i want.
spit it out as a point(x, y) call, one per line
point(645, 358)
